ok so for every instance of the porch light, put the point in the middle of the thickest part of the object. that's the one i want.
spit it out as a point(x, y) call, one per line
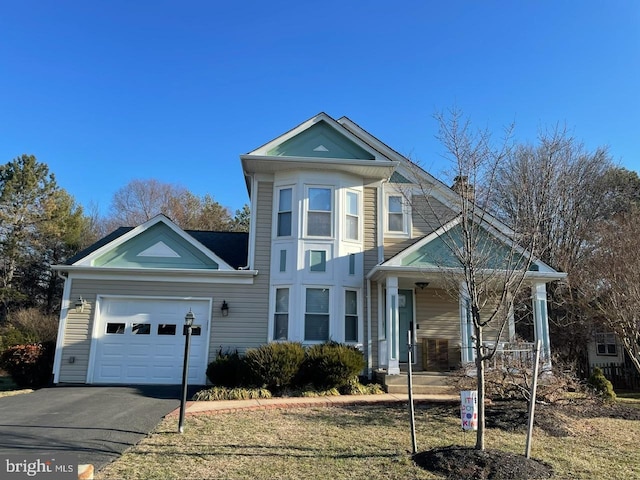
point(80, 303)
point(224, 308)
point(422, 285)
point(189, 318)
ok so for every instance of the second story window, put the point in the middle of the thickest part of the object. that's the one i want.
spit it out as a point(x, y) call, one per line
point(284, 212)
point(395, 220)
point(352, 216)
point(319, 210)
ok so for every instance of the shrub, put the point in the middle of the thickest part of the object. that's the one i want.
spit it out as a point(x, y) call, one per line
point(223, 393)
point(26, 326)
point(274, 365)
point(601, 384)
point(228, 370)
point(30, 365)
point(331, 365)
point(354, 387)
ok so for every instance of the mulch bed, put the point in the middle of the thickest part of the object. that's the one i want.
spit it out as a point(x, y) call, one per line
point(455, 462)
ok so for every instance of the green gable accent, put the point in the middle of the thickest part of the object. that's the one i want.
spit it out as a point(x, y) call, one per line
point(492, 253)
point(157, 247)
point(322, 141)
point(397, 178)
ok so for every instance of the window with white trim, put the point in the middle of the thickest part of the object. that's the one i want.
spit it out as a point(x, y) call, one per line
point(281, 315)
point(396, 221)
point(285, 203)
point(351, 316)
point(319, 212)
point(606, 344)
point(352, 217)
point(316, 317)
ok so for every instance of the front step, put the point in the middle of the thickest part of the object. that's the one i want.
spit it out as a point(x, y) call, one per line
point(423, 383)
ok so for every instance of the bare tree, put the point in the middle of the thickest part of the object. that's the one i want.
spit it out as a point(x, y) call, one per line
point(490, 261)
point(611, 281)
point(141, 200)
point(559, 187)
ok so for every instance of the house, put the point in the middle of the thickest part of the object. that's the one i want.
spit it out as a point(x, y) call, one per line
point(339, 249)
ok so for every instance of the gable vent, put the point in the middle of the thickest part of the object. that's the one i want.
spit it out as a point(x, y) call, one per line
point(159, 249)
point(321, 148)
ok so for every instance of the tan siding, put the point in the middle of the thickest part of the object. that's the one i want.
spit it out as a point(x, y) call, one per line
point(245, 327)
point(438, 316)
point(370, 261)
point(426, 217)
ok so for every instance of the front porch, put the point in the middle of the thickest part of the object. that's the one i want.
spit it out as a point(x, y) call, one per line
point(439, 325)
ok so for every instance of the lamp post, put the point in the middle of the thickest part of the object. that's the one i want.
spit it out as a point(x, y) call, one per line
point(188, 321)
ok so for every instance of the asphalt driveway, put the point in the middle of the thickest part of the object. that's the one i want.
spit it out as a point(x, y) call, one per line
point(95, 424)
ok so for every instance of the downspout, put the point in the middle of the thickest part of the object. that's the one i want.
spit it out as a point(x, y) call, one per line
point(369, 342)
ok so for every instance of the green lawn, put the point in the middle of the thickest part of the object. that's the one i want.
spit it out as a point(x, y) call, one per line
point(364, 442)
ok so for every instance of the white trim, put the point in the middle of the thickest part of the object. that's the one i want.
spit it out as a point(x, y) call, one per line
point(97, 320)
point(159, 274)
point(277, 189)
point(405, 212)
point(62, 325)
point(307, 210)
point(253, 222)
point(134, 232)
point(321, 117)
point(359, 215)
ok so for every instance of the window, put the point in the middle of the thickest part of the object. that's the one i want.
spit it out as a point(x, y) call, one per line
point(352, 264)
point(352, 218)
point(395, 214)
point(166, 329)
point(350, 316)
point(141, 329)
point(316, 318)
point(284, 212)
point(318, 261)
point(281, 315)
point(115, 328)
point(195, 330)
point(319, 212)
point(283, 260)
point(606, 344)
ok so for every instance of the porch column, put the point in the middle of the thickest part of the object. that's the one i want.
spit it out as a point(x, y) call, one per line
point(466, 326)
point(541, 321)
point(393, 327)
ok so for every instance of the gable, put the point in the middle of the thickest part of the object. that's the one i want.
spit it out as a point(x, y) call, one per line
point(438, 252)
point(320, 141)
point(159, 246)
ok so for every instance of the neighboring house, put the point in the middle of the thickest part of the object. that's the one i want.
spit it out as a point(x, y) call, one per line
point(337, 250)
point(607, 352)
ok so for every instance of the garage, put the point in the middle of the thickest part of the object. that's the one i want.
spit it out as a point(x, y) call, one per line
point(141, 341)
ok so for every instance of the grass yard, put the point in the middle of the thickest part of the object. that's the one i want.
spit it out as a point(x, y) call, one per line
point(364, 442)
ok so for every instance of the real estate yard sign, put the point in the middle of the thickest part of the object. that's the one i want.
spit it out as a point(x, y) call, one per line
point(469, 409)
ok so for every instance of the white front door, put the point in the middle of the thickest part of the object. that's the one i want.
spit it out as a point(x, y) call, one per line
point(141, 341)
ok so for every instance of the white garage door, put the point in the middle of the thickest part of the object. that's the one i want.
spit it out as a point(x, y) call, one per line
point(141, 341)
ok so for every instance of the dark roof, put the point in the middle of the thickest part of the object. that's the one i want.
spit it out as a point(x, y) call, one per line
point(232, 247)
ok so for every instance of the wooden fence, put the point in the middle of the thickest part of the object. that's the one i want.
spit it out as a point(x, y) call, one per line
point(622, 377)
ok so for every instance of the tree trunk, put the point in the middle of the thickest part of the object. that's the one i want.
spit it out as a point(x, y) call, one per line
point(480, 385)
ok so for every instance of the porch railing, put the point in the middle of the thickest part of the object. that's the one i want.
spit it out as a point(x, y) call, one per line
point(512, 355)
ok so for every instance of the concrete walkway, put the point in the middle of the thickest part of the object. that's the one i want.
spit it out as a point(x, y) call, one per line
point(228, 406)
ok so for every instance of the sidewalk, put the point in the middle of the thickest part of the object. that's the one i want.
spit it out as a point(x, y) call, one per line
point(228, 406)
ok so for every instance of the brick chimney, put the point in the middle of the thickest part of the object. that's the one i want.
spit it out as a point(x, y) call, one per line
point(463, 188)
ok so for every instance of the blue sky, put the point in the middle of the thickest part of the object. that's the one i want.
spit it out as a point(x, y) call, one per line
point(106, 92)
